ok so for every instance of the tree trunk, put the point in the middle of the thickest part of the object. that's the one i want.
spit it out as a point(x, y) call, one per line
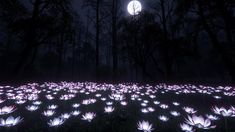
point(30, 39)
point(221, 4)
point(226, 58)
point(34, 55)
point(60, 57)
point(97, 38)
point(114, 38)
point(166, 46)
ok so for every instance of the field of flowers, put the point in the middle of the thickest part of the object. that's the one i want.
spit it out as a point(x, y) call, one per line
point(93, 107)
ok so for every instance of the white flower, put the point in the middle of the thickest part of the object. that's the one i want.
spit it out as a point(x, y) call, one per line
point(143, 104)
point(56, 122)
point(88, 116)
point(103, 99)
point(146, 101)
point(233, 110)
point(109, 103)
point(152, 96)
point(64, 97)
point(145, 126)
point(199, 122)
point(75, 113)
point(212, 117)
point(32, 107)
point(124, 103)
point(10, 121)
point(176, 103)
point(164, 106)
point(224, 112)
point(49, 97)
point(217, 97)
point(75, 105)
point(1, 101)
point(88, 101)
point(144, 110)
point(133, 99)
point(52, 107)
point(65, 116)
point(189, 110)
point(37, 102)
point(20, 101)
point(48, 113)
point(7, 110)
point(156, 102)
point(117, 97)
point(163, 118)
point(108, 109)
point(98, 95)
point(151, 109)
point(175, 113)
point(186, 128)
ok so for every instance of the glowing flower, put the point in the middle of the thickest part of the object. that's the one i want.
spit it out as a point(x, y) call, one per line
point(175, 113)
point(151, 109)
point(233, 110)
point(145, 126)
point(109, 103)
point(143, 104)
point(144, 110)
point(176, 103)
point(88, 101)
point(75, 105)
point(1, 101)
point(163, 118)
point(103, 99)
point(88, 116)
point(152, 96)
point(212, 117)
point(75, 113)
point(146, 101)
point(186, 128)
point(20, 101)
point(164, 106)
point(32, 107)
point(48, 113)
point(108, 109)
point(37, 102)
point(217, 97)
point(7, 110)
point(117, 97)
point(56, 122)
point(52, 107)
point(156, 102)
point(124, 103)
point(98, 95)
point(10, 121)
point(189, 110)
point(49, 97)
point(65, 116)
point(199, 122)
point(222, 111)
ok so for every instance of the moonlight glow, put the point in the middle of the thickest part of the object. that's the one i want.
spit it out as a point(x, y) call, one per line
point(134, 7)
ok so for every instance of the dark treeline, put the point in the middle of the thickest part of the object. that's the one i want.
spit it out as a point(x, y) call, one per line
point(96, 40)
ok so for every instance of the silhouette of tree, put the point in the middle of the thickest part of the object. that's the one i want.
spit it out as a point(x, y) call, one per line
point(214, 17)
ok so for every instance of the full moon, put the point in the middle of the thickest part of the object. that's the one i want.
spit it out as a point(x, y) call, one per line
point(134, 7)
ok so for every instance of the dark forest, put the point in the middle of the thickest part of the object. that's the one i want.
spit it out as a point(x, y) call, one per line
point(97, 40)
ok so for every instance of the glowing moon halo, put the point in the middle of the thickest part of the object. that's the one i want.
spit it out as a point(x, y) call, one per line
point(134, 7)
